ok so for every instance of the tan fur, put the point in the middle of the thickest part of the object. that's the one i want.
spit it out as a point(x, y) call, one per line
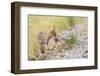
point(47, 35)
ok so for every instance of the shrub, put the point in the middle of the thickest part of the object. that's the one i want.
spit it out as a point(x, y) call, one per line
point(71, 40)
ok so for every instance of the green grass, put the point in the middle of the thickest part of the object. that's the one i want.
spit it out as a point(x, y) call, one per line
point(71, 40)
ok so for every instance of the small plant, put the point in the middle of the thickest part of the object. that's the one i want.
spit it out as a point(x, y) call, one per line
point(71, 40)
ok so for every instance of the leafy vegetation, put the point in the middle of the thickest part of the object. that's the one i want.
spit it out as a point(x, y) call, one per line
point(71, 40)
